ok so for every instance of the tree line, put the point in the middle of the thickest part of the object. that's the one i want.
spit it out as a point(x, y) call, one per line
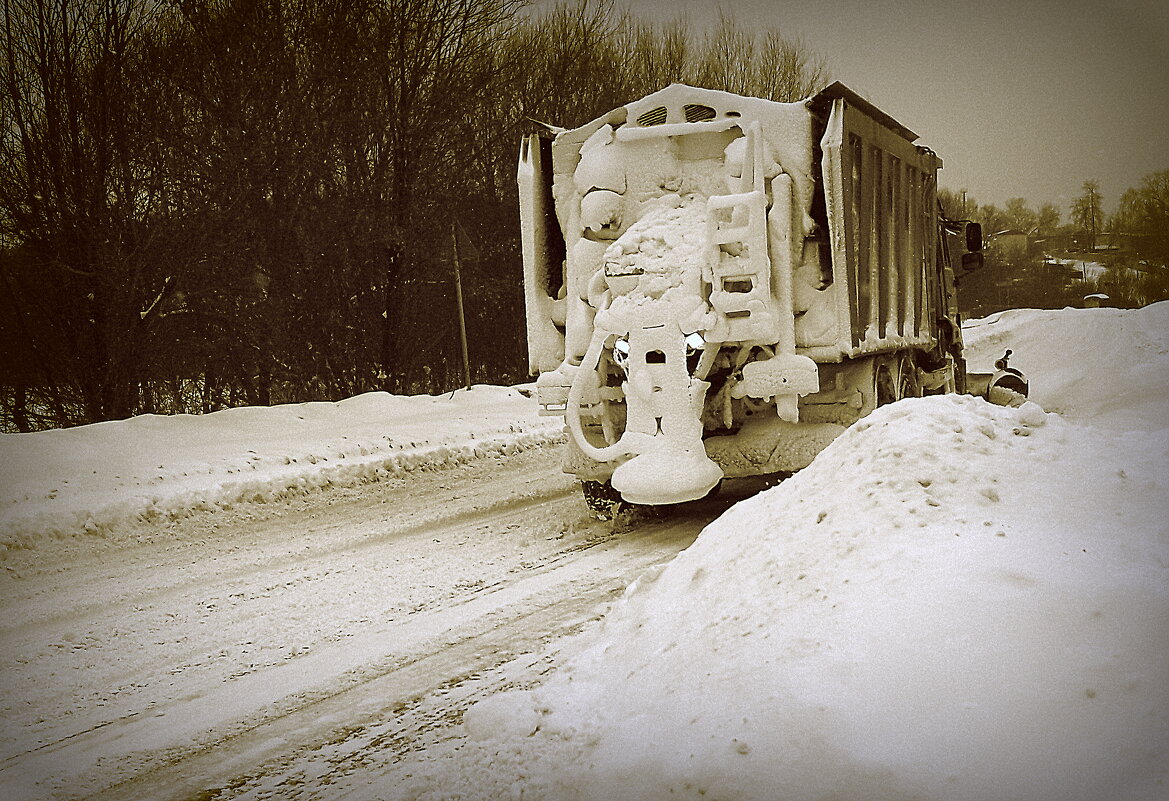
point(218, 202)
point(1141, 219)
point(1134, 258)
point(1017, 214)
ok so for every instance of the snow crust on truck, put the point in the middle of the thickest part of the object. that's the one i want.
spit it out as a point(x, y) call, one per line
point(717, 285)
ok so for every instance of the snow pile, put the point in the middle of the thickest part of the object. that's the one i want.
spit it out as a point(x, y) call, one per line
point(92, 478)
point(1106, 367)
point(954, 601)
point(665, 250)
point(654, 269)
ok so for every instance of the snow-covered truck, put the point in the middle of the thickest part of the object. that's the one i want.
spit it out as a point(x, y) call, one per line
point(718, 285)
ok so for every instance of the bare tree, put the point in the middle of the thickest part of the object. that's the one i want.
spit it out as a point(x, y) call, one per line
point(956, 205)
point(1086, 212)
point(582, 58)
point(76, 199)
point(763, 63)
point(1144, 215)
point(1021, 217)
point(1047, 219)
point(992, 218)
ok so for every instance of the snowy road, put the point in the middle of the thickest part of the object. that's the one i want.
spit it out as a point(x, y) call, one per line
point(287, 645)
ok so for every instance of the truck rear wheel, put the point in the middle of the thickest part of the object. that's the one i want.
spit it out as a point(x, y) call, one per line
point(895, 378)
point(603, 501)
point(908, 381)
point(884, 385)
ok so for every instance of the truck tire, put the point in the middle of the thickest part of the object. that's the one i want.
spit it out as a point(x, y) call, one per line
point(884, 385)
point(603, 501)
point(908, 381)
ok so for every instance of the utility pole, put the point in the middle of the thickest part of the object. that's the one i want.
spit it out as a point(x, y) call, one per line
point(392, 256)
point(1092, 217)
point(459, 304)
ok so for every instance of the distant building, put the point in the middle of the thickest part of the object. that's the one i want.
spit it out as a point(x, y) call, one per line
point(1054, 243)
point(1010, 242)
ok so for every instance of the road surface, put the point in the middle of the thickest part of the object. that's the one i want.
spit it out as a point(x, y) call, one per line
point(287, 650)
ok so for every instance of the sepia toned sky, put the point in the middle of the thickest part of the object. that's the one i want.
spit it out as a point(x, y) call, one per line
point(1022, 98)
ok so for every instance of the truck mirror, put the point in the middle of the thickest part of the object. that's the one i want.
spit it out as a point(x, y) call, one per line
point(973, 237)
point(971, 262)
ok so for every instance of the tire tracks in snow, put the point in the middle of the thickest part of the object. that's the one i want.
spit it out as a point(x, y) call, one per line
point(24, 614)
point(374, 703)
point(394, 629)
point(508, 636)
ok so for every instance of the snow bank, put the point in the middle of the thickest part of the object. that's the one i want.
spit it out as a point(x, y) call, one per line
point(1103, 367)
point(92, 478)
point(954, 602)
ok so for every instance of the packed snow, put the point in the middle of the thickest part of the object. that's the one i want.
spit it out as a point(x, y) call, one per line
point(954, 601)
point(57, 485)
point(1089, 270)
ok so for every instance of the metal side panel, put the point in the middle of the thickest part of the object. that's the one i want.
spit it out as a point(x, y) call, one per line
point(872, 208)
point(836, 203)
point(545, 341)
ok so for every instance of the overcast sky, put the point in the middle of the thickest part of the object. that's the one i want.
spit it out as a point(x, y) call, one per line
point(1020, 98)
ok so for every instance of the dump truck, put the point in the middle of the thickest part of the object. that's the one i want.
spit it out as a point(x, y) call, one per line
point(717, 286)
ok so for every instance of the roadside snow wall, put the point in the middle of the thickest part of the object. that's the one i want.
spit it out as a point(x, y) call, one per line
point(90, 479)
